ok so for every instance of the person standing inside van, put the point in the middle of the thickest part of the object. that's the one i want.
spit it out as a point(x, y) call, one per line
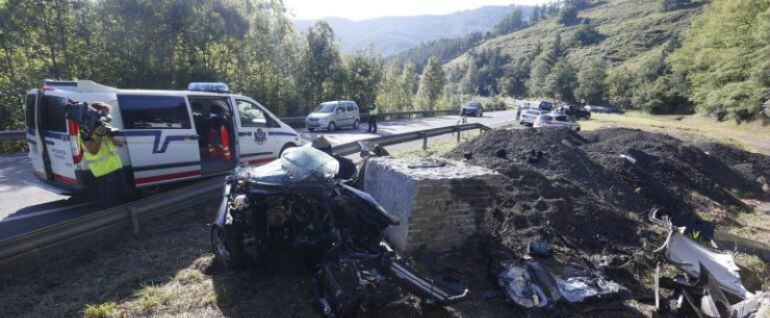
point(373, 113)
point(104, 161)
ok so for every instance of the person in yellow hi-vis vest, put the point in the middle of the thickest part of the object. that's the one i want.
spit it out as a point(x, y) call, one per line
point(374, 112)
point(101, 153)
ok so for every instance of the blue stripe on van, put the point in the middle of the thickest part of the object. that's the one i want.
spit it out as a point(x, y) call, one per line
point(256, 154)
point(157, 146)
point(281, 133)
point(57, 135)
point(166, 166)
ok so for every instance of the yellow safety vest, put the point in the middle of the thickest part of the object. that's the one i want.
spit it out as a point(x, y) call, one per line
point(106, 160)
point(375, 111)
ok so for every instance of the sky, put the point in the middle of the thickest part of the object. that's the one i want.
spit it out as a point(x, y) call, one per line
point(368, 9)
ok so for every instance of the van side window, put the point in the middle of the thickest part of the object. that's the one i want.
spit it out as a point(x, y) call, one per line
point(158, 112)
point(351, 108)
point(53, 113)
point(29, 111)
point(251, 115)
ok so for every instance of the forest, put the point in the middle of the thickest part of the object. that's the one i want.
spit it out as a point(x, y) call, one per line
point(703, 56)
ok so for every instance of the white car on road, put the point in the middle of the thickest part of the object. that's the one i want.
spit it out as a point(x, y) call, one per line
point(527, 115)
point(556, 120)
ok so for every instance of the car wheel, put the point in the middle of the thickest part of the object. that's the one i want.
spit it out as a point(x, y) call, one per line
point(286, 146)
point(311, 129)
point(227, 246)
point(332, 126)
point(356, 124)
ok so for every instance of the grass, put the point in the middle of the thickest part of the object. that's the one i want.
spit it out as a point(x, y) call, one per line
point(435, 147)
point(753, 137)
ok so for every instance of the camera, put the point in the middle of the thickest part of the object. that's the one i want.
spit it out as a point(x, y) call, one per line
point(89, 118)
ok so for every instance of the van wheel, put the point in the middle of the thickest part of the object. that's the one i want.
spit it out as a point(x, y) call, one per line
point(356, 124)
point(332, 126)
point(286, 146)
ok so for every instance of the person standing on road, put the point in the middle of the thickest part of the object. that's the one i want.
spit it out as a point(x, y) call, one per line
point(101, 153)
point(373, 113)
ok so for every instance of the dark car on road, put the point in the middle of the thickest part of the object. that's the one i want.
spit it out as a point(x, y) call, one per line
point(603, 109)
point(472, 109)
point(577, 112)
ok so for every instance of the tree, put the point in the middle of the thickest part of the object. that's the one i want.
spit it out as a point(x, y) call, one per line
point(567, 14)
point(322, 70)
point(725, 59)
point(390, 88)
point(511, 22)
point(670, 5)
point(535, 14)
point(560, 83)
point(541, 67)
point(431, 85)
point(411, 82)
point(590, 80)
point(364, 73)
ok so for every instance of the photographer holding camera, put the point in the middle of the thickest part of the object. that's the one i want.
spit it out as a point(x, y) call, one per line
point(103, 158)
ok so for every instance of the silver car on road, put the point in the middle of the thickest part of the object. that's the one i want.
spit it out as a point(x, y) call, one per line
point(333, 115)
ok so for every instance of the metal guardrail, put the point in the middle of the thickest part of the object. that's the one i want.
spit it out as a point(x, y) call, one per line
point(12, 135)
point(353, 147)
point(81, 228)
point(299, 121)
point(104, 220)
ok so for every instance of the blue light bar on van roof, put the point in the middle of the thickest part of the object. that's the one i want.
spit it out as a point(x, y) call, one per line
point(49, 82)
point(209, 87)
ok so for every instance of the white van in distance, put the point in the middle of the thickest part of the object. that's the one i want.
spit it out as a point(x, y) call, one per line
point(170, 136)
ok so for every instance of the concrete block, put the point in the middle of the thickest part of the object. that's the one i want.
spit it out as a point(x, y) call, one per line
point(439, 202)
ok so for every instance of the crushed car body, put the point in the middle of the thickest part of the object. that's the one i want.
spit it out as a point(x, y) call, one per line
point(337, 229)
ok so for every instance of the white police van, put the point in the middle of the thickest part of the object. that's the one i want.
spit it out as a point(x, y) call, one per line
point(168, 134)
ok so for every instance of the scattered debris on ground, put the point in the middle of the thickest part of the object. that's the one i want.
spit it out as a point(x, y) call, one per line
point(567, 233)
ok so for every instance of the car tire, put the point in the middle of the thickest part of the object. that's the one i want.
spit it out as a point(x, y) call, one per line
point(332, 126)
point(356, 124)
point(311, 129)
point(227, 246)
point(286, 146)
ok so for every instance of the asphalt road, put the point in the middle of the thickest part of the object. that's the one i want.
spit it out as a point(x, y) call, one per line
point(25, 207)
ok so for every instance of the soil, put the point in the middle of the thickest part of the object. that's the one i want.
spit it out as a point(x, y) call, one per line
point(588, 194)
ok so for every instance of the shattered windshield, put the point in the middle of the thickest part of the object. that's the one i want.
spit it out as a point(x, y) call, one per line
point(295, 164)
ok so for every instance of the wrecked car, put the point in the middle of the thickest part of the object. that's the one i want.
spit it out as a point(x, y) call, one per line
point(713, 288)
point(337, 230)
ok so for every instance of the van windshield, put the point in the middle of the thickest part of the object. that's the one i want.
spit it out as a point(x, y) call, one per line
point(325, 108)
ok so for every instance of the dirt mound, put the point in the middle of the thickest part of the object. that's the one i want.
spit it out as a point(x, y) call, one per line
point(752, 166)
point(592, 190)
point(556, 193)
point(668, 172)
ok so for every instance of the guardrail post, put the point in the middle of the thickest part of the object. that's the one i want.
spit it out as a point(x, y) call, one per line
point(134, 220)
point(459, 131)
point(424, 141)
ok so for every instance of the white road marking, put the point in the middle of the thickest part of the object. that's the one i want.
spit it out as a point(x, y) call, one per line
point(49, 211)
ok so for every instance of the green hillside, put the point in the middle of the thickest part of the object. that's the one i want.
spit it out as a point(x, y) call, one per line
point(608, 52)
point(627, 31)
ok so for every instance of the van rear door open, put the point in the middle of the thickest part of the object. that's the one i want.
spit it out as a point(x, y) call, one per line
point(52, 129)
point(162, 143)
point(33, 142)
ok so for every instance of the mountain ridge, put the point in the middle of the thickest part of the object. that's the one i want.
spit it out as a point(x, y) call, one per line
point(391, 35)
